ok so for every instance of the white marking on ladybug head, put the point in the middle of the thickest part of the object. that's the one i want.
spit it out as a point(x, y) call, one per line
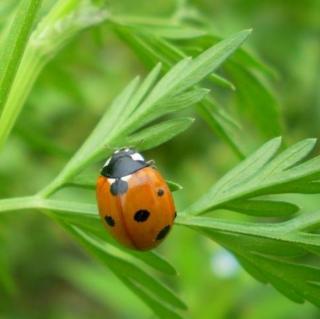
point(126, 178)
point(107, 162)
point(137, 157)
point(111, 180)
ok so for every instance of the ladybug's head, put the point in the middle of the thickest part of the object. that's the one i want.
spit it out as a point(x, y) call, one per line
point(123, 162)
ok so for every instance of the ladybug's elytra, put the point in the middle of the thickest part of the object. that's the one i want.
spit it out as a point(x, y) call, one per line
point(134, 200)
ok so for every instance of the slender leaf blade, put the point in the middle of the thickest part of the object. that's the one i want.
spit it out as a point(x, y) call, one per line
point(14, 44)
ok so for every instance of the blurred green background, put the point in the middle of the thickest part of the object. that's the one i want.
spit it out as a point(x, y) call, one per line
point(51, 276)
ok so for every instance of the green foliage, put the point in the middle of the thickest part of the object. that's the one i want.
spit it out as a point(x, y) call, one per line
point(264, 173)
point(138, 105)
point(13, 44)
point(271, 252)
point(169, 41)
point(276, 246)
point(65, 20)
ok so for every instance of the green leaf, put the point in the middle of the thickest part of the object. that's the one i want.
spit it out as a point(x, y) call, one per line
point(303, 187)
point(194, 35)
point(152, 49)
point(221, 123)
point(238, 175)
point(195, 70)
point(172, 93)
point(263, 173)
point(174, 186)
point(152, 43)
point(158, 308)
point(262, 208)
point(255, 100)
point(103, 131)
point(160, 294)
point(170, 105)
point(86, 217)
point(14, 43)
point(64, 20)
point(157, 134)
point(280, 253)
point(97, 141)
point(212, 58)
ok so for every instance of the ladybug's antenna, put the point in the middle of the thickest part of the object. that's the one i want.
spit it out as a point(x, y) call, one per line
point(136, 146)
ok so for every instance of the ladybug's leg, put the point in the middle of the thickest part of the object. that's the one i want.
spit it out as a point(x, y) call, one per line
point(152, 163)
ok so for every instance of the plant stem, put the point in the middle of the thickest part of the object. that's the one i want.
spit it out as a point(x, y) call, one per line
point(36, 202)
point(17, 204)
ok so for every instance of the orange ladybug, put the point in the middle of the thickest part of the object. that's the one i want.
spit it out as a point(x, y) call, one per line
point(134, 201)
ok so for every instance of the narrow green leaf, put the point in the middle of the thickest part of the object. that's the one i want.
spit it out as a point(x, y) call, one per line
point(221, 123)
point(174, 186)
point(86, 217)
point(151, 50)
point(250, 166)
point(158, 308)
point(212, 58)
point(105, 127)
point(14, 44)
point(124, 268)
point(156, 261)
point(170, 105)
point(277, 253)
point(166, 85)
point(296, 187)
point(255, 100)
point(157, 134)
point(66, 19)
point(144, 88)
point(200, 37)
point(251, 269)
point(289, 157)
point(221, 81)
point(236, 177)
point(262, 208)
point(97, 141)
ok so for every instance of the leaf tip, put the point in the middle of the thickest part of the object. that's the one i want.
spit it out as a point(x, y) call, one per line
point(312, 140)
point(158, 66)
point(244, 34)
point(277, 140)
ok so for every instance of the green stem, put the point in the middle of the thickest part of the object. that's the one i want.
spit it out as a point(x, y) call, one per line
point(36, 202)
point(19, 203)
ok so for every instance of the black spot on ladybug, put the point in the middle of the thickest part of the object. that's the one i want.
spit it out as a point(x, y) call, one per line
point(163, 232)
point(160, 192)
point(118, 187)
point(141, 215)
point(109, 220)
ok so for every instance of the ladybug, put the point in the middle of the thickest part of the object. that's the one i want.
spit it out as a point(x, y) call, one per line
point(134, 200)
